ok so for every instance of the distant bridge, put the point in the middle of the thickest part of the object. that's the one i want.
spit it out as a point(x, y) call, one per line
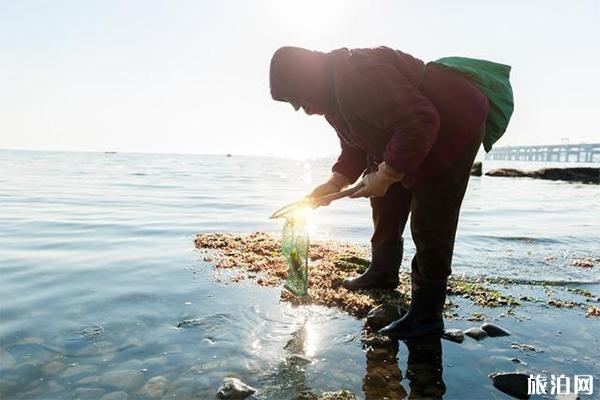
point(584, 152)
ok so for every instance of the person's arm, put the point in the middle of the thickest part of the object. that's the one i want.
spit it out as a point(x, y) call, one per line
point(351, 163)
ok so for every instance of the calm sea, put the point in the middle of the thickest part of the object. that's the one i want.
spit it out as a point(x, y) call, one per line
point(97, 265)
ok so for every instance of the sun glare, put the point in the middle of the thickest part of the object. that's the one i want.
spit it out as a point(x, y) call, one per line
point(308, 14)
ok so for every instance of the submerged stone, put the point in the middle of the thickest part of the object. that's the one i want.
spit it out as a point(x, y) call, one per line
point(123, 379)
point(7, 361)
point(454, 335)
point(233, 388)
point(476, 333)
point(119, 395)
point(75, 370)
point(511, 383)
point(155, 387)
point(53, 367)
point(494, 330)
point(88, 393)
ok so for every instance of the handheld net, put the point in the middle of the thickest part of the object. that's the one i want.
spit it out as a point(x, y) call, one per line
point(294, 246)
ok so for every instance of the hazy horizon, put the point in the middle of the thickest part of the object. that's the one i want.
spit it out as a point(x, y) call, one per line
point(192, 77)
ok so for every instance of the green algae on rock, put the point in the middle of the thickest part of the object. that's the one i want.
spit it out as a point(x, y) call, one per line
point(480, 294)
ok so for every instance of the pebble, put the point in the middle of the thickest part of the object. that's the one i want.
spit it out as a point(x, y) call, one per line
point(306, 395)
point(476, 333)
point(511, 383)
point(454, 335)
point(53, 367)
point(155, 387)
point(494, 330)
point(123, 379)
point(88, 380)
point(570, 396)
point(120, 395)
point(88, 393)
point(233, 388)
point(382, 315)
point(525, 347)
point(6, 360)
point(339, 395)
point(77, 370)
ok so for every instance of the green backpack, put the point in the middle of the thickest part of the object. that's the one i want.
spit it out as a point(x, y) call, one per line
point(493, 80)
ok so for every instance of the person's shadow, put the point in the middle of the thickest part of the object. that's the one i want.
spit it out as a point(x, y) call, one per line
point(383, 378)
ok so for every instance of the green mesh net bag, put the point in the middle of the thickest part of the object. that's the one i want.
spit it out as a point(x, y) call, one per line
point(294, 246)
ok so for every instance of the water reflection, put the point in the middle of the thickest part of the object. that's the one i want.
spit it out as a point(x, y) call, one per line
point(288, 378)
point(383, 375)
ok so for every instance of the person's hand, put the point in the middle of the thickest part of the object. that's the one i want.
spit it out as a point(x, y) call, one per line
point(334, 184)
point(377, 183)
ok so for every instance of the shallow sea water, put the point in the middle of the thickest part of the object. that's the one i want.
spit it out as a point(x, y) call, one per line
point(97, 267)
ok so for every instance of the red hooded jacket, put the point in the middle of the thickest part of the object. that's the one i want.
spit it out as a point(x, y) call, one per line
point(390, 107)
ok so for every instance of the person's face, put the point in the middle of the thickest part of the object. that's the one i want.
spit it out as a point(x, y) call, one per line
point(308, 109)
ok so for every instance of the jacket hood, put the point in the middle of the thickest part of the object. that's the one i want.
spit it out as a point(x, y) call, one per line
point(302, 75)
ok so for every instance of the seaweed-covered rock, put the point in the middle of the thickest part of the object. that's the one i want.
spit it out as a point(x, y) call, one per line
point(511, 383)
point(233, 388)
point(476, 333)
point(494, 330)
point(339, 395)
point(306, 395)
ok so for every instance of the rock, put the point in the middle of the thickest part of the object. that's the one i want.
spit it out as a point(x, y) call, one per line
point(454, 335)
point(382, 315)
point(509, 173)
point(578, 174)
point(77, 369)
point(570, 396)
point(120, 395)
point(339, 395)
point(525, 347)
point(186, 323)
point(88, 380)
point(233, 388)
point(6, 360)
point(494, 330)
point(88, 393)
point(476, 333)
point(155, 387)
point(511, 383)
point(123, 378)
point(477, 169)
point(306, 395)
point(53, 367)
point(31, 340)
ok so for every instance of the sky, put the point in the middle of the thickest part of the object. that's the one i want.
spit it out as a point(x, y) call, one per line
point(192, 76)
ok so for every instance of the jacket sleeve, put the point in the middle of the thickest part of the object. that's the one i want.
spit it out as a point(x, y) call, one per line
point(351, 162)
point(383, 97)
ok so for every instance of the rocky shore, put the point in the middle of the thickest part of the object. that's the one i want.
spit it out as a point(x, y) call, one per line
point(578, 174)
